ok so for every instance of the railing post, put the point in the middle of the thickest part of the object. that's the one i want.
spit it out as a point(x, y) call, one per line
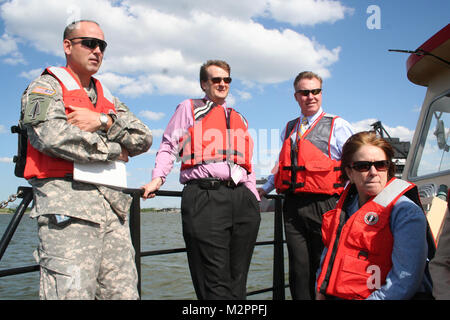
point(278, 252)
point(135, 230)
point(27, 198)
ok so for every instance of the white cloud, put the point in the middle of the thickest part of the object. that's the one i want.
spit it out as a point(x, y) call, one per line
point(363, 125)
point(9, 49)
point(403, 133)
point(7, 45)
point(150, 83)
point(2, 129)
point(136, 88)
point(231, 101)
point(308, 12)
point(175, 85)
point(114, 81)
point(152, 115)
point(244, 95)
point(31, 74)
point(6, 160)
point(157, 133)
point(157, 47)
point(295, 12)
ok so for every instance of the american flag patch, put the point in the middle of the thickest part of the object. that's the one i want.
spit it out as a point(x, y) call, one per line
point(41, 90)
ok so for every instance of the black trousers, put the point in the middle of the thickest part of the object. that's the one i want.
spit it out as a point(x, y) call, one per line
point(220, 229)
point(302, 224)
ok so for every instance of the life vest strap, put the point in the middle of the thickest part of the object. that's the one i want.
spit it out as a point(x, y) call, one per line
point(303, 168)
point(294, 168)
point(232, 152)
point(295, 185)
point(391, 191)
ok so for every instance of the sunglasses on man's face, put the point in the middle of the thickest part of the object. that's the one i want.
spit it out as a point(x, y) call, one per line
point(219, 80)
point(92, 43)
point(307, 92)
point(364, 166)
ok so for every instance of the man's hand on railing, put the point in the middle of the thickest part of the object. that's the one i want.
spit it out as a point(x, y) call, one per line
point(151, 187)
point(261, 192)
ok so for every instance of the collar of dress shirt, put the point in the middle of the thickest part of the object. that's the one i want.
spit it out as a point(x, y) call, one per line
point(207, 98)
point(314, 117)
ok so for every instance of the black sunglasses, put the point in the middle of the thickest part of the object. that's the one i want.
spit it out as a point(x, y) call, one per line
point(364, 166)
point(307, 92)
point(92, 43)
point(219, 80)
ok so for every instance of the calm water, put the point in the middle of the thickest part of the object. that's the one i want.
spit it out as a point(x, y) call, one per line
point(164, 277)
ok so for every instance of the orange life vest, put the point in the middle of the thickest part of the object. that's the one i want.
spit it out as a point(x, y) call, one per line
point(308, 166)
point(216, 137)
point(40, 165)
point(360, 249)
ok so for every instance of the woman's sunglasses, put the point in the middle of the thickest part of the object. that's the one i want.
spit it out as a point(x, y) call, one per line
point(92, 43)
point(364, 166)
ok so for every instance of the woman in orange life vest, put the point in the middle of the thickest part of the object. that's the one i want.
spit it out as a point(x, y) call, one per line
point(376, 238)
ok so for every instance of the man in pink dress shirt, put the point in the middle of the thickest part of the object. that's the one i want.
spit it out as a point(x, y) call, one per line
point(220, 203)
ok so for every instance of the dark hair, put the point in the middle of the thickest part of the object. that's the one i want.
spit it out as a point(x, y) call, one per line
point(219, 63)
point(306, 75)
point(360, 139)
point(73, 26)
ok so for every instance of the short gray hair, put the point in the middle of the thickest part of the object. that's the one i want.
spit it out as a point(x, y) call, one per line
point(73, 26)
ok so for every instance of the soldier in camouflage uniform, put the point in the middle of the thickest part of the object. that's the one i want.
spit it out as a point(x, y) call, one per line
point(85, 249)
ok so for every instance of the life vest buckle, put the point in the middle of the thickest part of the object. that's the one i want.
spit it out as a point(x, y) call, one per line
point(364, 255)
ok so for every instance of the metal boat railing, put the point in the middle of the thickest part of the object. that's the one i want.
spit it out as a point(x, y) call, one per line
point(278, 281)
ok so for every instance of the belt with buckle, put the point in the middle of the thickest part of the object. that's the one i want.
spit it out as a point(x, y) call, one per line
point(213, 183)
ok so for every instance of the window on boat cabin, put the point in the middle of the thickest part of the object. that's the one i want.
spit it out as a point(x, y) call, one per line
point(432, 154)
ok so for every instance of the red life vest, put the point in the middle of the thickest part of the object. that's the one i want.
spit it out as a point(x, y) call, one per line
point(40, 165)
point(312, 170)
point(359, 250)
point(214, 137)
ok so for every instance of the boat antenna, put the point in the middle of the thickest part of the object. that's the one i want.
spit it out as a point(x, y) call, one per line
point(421, 52)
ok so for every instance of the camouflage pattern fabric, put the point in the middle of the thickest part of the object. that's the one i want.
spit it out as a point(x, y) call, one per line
point(88, 206)
point(85, 260)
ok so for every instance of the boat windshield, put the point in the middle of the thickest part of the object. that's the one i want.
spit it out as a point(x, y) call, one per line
point(432, 156)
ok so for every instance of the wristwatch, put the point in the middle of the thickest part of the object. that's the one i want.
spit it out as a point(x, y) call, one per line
point(103, 121)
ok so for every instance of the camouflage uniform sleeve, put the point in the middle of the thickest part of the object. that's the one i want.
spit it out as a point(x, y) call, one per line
point(48, 131)
point(129, 131)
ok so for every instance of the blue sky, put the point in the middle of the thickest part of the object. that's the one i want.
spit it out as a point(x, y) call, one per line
point(155, 49)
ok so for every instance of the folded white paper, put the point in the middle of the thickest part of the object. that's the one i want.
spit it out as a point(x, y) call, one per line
point(112, 173)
